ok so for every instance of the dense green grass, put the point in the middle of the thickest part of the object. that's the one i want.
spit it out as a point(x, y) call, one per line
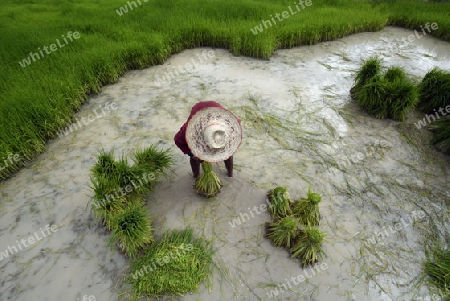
point(38, 100)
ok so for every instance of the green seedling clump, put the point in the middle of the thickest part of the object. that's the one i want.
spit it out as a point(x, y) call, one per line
point(131, 230)
point(441, 129)
point(434, 91)
point(388, 95)
point(175, 265)
point(308, 246)
point(437, 268)
point(283, 231)
point(280, 202)
point(307, 209)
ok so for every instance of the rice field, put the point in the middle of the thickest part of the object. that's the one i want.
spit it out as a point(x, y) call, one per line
point(48, 70)
point(56, 57)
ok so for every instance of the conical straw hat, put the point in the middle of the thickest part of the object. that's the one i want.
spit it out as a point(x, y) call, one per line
point(213, 134)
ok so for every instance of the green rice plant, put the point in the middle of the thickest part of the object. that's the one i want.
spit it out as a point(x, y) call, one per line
point(370, 69)
point(125, 173)
point(401, 93)
point(434, 91)
point(105, 164)
point(308, 246)
point(441, 129)
point(372, 97)
point(283, 231)
point(307, 209)
point(208, 184)
point(175, 265)
point(437, 268)
point(280, 202)
point(153, 159)
point(395, 73)
point(131, 229)
point(390, 95)
point(107, 202)
point(39, 97)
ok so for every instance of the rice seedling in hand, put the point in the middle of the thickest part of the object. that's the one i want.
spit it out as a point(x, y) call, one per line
point(283, 231)
point(131, 229)
point(308, 246)
point(153, 159)
point(208, 184)
point(280, 202)
point(434, 91)
point(368, 71)
point(441, 129)
point(307, 209)
point(437, 267)
point(175, 265)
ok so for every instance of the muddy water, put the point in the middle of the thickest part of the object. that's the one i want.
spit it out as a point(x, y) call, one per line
point(300, 129)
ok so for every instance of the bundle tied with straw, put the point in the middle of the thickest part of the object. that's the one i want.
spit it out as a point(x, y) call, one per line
point(307, 209)
point(208, 184)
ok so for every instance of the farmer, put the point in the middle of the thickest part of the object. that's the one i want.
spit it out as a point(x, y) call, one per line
point(211, 133)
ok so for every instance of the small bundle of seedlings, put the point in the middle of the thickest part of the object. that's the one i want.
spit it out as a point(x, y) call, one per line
point(441, 129)
point(208, 184)
point(307, 209)
point(131, 230)
point(175, 265)
point(283, 231)
point(437, 268)
point(308, 246)
point(434, 91)
point(388, 95)
point(280, 202)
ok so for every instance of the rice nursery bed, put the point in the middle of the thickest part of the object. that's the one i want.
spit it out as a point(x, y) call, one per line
point(383, 186)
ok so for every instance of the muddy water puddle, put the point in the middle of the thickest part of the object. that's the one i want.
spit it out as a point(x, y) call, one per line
point(383, 188)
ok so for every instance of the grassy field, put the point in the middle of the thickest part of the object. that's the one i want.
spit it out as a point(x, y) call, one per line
point(78, 46)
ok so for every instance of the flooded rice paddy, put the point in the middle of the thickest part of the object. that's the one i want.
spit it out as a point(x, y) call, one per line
point(383, 187)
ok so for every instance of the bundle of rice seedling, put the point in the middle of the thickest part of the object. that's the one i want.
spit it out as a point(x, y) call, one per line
point(131, 229)
point(280, 202)
point(176, 265)
point(106, 200)
point(307, 209)
point(105, 165)
point(385, 96)
point(283, 231)
point(437, 267)
point(154, 160)
point(401, 93)
point(441, 128)
point(369, 70)
point(434, 91)
point(372, 97)
point(308, 246)
point(208, 184)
